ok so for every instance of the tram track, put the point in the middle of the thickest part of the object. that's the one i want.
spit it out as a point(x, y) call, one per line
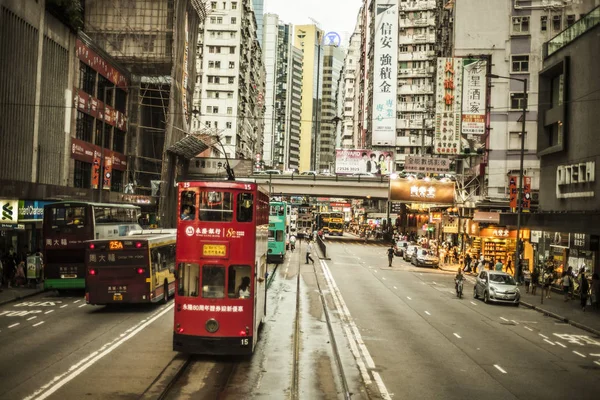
point(295, 385)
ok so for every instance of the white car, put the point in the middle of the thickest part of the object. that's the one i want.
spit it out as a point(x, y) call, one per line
point(408, 252)
point(307, 173)
point(425, 258)
point(363, 174)
point(273, 172)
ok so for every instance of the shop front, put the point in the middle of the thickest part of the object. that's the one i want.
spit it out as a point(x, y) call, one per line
point(21, 225)
point(559, 250)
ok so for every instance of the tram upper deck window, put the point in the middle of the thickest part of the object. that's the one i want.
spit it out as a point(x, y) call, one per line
point(216, 206)
point(213, 281)
point(188, 206)
point(238, 282)
point(188, 279)
point(67, 216)
point(245, 202)
point(277, 210)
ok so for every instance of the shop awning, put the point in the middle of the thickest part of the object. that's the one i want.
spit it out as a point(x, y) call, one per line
point(487, 216)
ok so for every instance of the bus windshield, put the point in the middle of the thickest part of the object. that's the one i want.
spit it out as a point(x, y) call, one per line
point(66, 215)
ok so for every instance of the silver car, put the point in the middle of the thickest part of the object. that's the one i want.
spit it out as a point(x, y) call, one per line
point(425, 258)
point(497, 286)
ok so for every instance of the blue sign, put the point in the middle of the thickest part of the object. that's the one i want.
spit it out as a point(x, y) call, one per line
point(32, 210)
point(332, 39)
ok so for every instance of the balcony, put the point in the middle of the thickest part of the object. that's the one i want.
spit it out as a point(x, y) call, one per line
point(417, 22)
point(414, 73)
point(416, 56)
point(418, 5)
point(415, 89)
point(411, 107)
point(409, 124)
point(412, 39)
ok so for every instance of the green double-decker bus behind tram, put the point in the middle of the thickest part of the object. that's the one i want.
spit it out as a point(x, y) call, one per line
point(277, 231)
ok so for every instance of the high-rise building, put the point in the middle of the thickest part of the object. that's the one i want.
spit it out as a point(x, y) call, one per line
point(511, 36)
point(333, 63)
point(350, 95)
point(283, 65)
point(308, 38)
point(258, 6)
point(230, 99)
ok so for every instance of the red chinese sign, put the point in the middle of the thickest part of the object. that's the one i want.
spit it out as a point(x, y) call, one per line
point(94, 107)
point(100, 65)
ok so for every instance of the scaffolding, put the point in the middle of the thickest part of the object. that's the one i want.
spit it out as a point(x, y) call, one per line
point(156, 41)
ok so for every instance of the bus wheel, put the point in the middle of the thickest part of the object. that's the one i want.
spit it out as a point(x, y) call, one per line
point(166, 295)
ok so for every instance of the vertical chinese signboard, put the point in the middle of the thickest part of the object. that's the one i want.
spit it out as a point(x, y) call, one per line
point(513, 189)
point(474, 103)
point(385, 73)
point(448, 106)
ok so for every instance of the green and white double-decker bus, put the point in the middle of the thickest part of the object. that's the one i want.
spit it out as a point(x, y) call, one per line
point(277, 231)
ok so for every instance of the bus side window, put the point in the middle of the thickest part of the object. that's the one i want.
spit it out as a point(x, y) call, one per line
point(238, 282)
point(188, 279)
point(188, 206)
point(155, 259)
point(245, 202)
point(213, 281)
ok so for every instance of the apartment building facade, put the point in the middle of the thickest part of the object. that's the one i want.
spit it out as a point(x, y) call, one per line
point(350, 95)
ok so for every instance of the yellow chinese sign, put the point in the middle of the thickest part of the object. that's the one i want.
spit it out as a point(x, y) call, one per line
point(218, 250)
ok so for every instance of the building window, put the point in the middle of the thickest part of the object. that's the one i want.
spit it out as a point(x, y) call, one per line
point(231, 79)
point(82, 177)
point(557, 90)
point(234, 5)
point(213, 79)
point(544, 23)
point(213, 5)
point(87, 78)
point(514, 140)
point(207, 124)
point(213, 20)
point(231, 64)
point(228, 125)
point(233, 20)
point(230, 94)
point(232, 50)
point(211, 64)
point(229, 110)
point(520, 63)
point(84, 127)
point(520, 25)
point(517, 101)
point(216, 124)
point(232, 34)
point(107, 134)
point(148, 43)
point(217, 64)
point(116, 182)
point(227, 139)
point(570, 20)
point(556, 23)
point(219, 20)
point(119, 141)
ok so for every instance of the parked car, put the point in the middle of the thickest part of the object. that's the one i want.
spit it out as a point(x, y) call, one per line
point(308, 173)
point(425, 258)
point(363, 174)
point(273, 172)
point(497, 286)
point(408, 252)
point(400, 246)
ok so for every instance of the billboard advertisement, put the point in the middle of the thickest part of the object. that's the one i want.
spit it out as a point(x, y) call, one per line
point(426, 164)
point(364, 161)
point(448, 106)
point(474, 100)
point(385, 73)
point(421, 191)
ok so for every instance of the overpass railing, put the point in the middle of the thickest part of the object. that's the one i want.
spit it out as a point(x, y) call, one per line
point(336, 178)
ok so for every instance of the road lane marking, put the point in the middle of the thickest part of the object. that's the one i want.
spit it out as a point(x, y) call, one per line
point(594, 355)
point(59, 381)
point(76, 301)
point(29, 319)
point(13, 325)
point(597, 362)
point(528, 328)
point(358, 342)
point(408, 298)
point(503, 319)
point(39, 323)
point(514, 322)
point(83, 305)
point(547, 341)
point(561, 345)
point(427, 312)
point(434, 283)
point(579, 354)
point(457, 335)
point(499, 368)
point(49, 311)
point(544, 336)
point(64, 306)
point(473, 303)
point(395, 287)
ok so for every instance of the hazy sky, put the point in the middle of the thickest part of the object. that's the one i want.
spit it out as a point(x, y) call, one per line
point(333, 15)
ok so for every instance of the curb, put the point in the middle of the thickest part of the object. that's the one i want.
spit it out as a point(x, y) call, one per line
point(561, 318)
point(17, 298)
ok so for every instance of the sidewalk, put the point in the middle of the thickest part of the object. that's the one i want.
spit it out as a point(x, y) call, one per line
point(14, 294)
point(569, 312)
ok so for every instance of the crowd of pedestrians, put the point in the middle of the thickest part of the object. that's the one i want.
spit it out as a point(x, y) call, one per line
point(13, 268)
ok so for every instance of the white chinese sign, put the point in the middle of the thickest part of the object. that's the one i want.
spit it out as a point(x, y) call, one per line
point(385, 73)
point(474, 97)
point(426, 164)
point(448, 106)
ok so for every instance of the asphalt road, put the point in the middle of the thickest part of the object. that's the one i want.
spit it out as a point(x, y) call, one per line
point(428, 344)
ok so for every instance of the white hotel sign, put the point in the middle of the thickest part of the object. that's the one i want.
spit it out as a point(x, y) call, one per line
point(571, 180)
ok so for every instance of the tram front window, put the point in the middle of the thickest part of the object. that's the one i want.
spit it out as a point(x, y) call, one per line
point(188, 279)
point(238, 283)
point(213, 282)
point(216, 206)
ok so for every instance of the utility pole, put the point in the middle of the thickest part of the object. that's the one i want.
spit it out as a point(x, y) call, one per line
point(101, 173)
point(316, 106)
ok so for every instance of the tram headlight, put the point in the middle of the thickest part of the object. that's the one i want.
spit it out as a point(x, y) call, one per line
point(212, 325)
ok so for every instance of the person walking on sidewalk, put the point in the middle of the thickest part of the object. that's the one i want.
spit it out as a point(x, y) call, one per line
point(390, 254)
point(548, 275)
point(584, 288)
point(499, 265)
point(509, 267)
point(535, 277)
point(309, 250)
point(566, 283)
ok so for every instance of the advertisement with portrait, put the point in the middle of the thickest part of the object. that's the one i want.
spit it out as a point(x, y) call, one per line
point(349, 162)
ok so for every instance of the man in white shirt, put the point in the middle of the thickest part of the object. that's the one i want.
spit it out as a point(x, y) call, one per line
point(309, 250)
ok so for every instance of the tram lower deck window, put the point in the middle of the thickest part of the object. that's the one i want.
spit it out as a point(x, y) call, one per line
point(213, 281)
point(238, 282)
point(188, 279)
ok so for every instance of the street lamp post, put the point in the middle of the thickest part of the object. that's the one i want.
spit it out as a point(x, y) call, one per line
point(521, 160)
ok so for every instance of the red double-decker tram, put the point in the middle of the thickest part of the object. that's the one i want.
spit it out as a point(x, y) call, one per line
point(221, 256)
